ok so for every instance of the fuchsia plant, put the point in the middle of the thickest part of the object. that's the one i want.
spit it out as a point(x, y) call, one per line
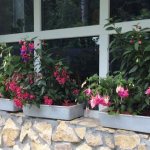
point(118, 94)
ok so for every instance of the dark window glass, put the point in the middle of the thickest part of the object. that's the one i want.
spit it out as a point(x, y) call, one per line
point(16, 16)
point(82, 55)
point(15, 48)
point(127, 10)
point(69, 13)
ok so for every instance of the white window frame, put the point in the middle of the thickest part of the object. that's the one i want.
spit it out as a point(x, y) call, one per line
point(95, 30)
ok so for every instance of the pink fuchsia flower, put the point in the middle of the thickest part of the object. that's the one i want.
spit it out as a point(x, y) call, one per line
point(32, 96)
point(88, 92)
point(18, 102)
point(95, 100)
point(147, 92)
point(106, 100)
point(119, 88)
point(122, 92)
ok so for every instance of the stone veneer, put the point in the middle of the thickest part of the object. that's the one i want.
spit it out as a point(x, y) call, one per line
point(25, 133)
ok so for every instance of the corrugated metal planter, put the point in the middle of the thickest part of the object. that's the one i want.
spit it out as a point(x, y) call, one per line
point(122, 121)
point(8, 105)
point(54, 112)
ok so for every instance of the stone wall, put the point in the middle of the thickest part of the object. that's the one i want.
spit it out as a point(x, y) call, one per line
point(21, 133)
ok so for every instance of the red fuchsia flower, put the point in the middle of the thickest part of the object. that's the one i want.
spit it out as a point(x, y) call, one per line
point(18, 90)
point(61, 81)
point(18, 102)
point(20, 42)
point(147, 92)
point(61, 76)
point(88, 92)
point(75, 91)
point(25, 95)
point(56, 73)
point(131, 41)
point(31, 96)
point(48, 101)
point(23, 48)
point(31, 45)
point(12, 86)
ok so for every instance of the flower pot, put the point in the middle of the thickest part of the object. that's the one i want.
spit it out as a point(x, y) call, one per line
point(8, 105)
point(121, 121)
point(128, 122)
point(102, 108)
point(54, 111)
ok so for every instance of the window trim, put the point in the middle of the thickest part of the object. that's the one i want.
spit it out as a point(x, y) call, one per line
point(94, 30)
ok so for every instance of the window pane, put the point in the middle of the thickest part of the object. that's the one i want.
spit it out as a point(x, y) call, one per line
point(82, 55)
point(69, 13)
point(126, 10)
point(16, 16)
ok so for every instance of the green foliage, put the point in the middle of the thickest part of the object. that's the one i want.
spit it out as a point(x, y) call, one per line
point(132, 50)
point(136, 103)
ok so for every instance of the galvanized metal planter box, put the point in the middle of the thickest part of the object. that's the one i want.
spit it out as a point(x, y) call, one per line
point(54, 112)
point(8, 105)
point(122, 121)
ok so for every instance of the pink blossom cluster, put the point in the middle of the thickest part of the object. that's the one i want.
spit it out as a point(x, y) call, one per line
point(97, 99)
point(122, 92)
point(48, 101)
point(26, 50)
point(147, 92)
point(61, 75)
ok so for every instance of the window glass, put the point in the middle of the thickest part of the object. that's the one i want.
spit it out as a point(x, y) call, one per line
point(69, 13)
point(16, 16)
point(82, 55)
point(127, 10)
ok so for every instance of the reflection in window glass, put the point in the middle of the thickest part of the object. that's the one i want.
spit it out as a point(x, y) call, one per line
point(15, 48)
point(16, 16)
point(69, 13)
point(126, 10)
point(82, 55)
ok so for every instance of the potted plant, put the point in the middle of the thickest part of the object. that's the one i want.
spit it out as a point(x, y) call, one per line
point(9, 64)
point(127, 94)
point(123, 100)
point(49, 93)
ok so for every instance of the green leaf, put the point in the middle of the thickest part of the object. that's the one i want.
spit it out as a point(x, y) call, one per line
point(136, 46)
point(110, 28)
point(147, 101)
point(147, 48)
point(133, 69)
point(118, 30)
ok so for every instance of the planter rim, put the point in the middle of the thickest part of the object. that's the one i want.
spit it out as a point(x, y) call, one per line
point(57, 106)
point(7, 99)
point(127, 115)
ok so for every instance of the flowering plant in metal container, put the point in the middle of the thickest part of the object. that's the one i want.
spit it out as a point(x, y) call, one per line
point(52, 85)
point(117, 93)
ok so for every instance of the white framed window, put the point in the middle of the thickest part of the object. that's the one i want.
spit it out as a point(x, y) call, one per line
point(82, 27)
